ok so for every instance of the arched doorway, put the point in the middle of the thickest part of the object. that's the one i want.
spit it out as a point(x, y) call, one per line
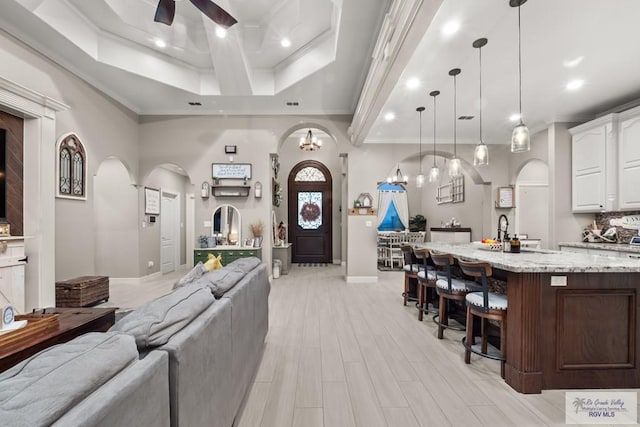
point(310, 202)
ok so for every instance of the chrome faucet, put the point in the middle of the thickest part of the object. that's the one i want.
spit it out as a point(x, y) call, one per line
point(503, 221)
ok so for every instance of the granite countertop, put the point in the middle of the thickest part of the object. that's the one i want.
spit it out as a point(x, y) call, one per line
point(618, 247)
point(539, 260)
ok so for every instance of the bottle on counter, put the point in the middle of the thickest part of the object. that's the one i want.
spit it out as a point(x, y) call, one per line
point(515, 245)
point(506, 243)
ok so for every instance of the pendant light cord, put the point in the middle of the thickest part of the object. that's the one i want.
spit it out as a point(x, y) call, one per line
point(455, 98)
point(480, 51)
point(519, 65)
point(420, 141)
point(434, 130)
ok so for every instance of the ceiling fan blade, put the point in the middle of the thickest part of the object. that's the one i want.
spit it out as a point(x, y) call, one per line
point(165, 12)
point(215, 13)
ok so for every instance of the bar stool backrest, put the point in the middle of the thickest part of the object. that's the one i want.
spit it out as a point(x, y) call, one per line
point(407, 253)
point(422, 254)
point(443, 260)
point(480, 270)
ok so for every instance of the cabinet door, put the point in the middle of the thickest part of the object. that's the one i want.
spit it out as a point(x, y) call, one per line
point(588, 170)
point(629, 149)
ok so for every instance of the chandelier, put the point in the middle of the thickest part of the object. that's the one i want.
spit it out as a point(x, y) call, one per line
point(398, 179)
point(310, 142)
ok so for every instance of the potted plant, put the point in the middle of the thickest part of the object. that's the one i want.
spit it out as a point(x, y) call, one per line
point(417, 223)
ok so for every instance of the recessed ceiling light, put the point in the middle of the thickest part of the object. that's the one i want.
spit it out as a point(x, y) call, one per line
point(160, 43)
point(221, 32)
point(450, 28)
point(285, 42)
point(514, 117)
point(389, 116)
point(572, 63)
point(575, 84)
point(413, 83)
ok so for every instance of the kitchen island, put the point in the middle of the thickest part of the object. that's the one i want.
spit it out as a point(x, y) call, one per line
point(573, 320)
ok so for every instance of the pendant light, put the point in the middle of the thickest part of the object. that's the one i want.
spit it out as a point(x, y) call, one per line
point(481, 154)
point(455, 167)
point(398, 179)
point(520, 137)
point(420, 177)
point(434, 173)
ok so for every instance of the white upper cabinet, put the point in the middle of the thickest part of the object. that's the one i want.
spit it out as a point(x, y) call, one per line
point(593, 169)
point(629, 155)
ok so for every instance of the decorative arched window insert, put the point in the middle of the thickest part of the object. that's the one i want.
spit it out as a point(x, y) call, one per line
point(71, 168)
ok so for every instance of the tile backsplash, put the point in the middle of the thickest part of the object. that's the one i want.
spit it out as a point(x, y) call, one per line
point(624, 234)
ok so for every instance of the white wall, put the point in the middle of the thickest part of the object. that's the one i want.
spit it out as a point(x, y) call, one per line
point(105, 128)
point(115, 208)
point(150, 235)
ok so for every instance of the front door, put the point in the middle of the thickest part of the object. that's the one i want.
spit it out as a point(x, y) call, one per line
point(310, 212)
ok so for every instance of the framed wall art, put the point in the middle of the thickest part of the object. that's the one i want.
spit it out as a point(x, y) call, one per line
point(231, 170)
point(151, 201)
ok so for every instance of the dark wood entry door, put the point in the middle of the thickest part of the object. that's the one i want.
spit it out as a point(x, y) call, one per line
point(310, 216)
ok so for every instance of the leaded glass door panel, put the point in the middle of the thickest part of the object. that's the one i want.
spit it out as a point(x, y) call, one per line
point(309, 204)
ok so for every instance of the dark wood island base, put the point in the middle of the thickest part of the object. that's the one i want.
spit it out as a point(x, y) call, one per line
point(581, 332)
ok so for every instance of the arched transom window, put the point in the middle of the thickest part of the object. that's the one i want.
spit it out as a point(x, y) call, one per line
point(72, 168)
point(310, 174)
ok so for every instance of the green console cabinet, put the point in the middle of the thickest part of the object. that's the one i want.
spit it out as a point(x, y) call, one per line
point(229, 253)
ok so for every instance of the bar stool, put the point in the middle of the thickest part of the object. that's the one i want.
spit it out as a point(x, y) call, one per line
point(426, 280)
point(411, 269)
point(487, 306)
point(448, 289)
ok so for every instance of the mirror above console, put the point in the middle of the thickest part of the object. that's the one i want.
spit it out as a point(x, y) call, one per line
point(226, 225)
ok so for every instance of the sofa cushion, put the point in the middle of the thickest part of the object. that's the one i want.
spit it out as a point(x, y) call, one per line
point(245, 264)
point(220, 281)
point(153, 323)
point(37, 391)
point(195, 273)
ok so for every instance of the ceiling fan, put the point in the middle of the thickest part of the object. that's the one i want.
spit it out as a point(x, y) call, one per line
point(167, 9)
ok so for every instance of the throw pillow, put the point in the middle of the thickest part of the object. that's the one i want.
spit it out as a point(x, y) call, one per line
point(213, 263)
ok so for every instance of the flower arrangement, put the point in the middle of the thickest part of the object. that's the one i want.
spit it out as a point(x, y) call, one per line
point(257, 228)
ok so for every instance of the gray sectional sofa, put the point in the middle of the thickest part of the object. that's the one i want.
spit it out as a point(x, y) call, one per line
point(184, 359)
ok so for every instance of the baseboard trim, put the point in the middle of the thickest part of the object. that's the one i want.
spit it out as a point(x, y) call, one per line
point(134, 280)
point(362, 279)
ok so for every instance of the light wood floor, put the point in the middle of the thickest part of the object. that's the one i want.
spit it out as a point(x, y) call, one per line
point(344, 354)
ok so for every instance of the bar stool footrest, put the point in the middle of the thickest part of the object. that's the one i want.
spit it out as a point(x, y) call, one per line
point(471, 348)
point(453, 327)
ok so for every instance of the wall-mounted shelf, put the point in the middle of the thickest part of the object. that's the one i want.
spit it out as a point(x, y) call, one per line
point(230, 190)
